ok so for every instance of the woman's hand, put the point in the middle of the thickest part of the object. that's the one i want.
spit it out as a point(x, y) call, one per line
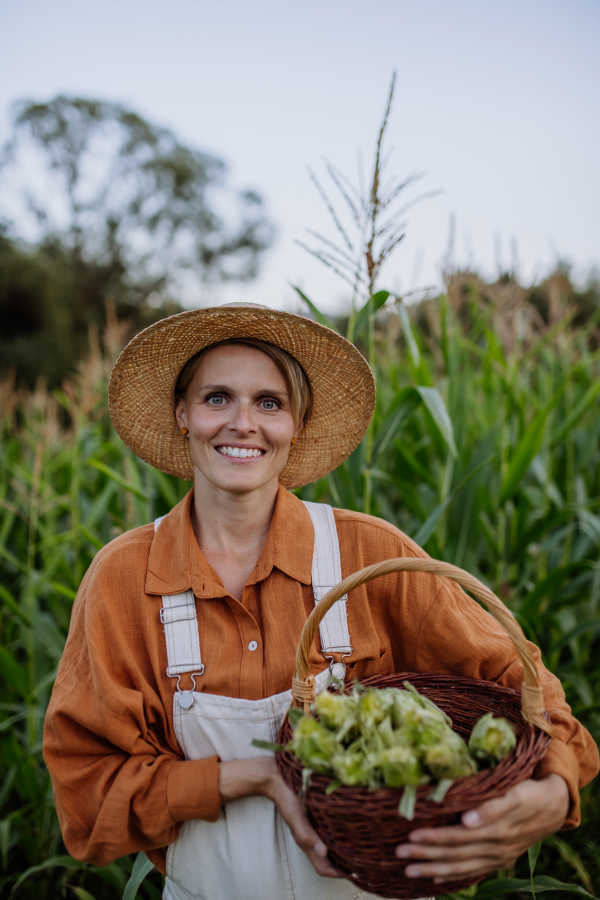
point(491, 837)
point(253, 777)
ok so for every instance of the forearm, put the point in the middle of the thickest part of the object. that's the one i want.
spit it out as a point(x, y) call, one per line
point(253, 777)
point(246, 778)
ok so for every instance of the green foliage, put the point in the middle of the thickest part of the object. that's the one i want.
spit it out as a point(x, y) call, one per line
point(484, 447)
point(105, 204)
point(49, 307)
point(64, 493)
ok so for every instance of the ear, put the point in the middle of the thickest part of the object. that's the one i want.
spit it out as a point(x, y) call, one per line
point(299, 429)
point(180, 413)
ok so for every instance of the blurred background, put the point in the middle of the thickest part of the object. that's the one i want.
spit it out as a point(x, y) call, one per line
point(496, 105)
point(420, 176)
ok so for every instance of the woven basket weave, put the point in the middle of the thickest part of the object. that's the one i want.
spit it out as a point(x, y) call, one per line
point(360, 827)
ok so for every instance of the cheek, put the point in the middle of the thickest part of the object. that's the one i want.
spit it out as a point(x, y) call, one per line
point(282, 432)
point(204, 427)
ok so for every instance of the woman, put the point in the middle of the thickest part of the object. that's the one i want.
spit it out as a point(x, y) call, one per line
point(184, 631)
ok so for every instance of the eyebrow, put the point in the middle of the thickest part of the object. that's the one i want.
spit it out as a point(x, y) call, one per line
point(225, 389)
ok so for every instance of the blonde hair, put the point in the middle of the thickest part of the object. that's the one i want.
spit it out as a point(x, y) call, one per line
point(295, 376)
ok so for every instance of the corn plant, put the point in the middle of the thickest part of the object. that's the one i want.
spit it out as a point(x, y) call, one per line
point(484, 448)
point(67, 487)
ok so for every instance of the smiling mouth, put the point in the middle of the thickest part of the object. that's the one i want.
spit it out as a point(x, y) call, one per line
point(240, 452)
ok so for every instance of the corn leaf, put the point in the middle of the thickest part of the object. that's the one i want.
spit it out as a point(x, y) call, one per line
point(436, 407)
point(82, 893)
point(409, 336)
point(107, 470)
point(320, 317)
point(575, 414)
point(12, 673)
point(500, 886)
point(141, 868)
point(521, 459)
point(362, 316)
point(63, 862)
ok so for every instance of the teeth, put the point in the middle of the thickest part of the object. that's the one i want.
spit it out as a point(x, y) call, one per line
point(241, 452)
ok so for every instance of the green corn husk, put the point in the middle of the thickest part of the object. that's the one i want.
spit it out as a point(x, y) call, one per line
point(425, 727)
point(492, 739)
point(426, 703)
point(355, 767)
point(407, 802)
point(337, 712)
point(440, 790)
point(373, 707)
point(400, 767)
point(314, 746)
point(392, 738)
point(449, 758)
point(403, 704)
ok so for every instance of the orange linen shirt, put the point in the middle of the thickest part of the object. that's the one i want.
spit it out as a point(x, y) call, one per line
point(120, 781)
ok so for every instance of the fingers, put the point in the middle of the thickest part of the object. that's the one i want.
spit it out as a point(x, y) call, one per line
point(430, 861)
point(321, 865)
point(302, 831)
point(457, 835)
point(483, 849)
point(498, 820)
point(451, 870)
point(490, 837)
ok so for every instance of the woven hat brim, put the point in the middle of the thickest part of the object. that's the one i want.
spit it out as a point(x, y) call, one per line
point(140, 393)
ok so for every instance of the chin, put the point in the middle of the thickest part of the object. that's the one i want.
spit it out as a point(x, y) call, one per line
point(241, 482)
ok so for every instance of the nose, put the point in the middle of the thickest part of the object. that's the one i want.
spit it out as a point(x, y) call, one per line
point(242, 422)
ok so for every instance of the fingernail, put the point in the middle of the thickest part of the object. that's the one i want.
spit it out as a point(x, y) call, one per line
point(320, 848)
point(412, 871)
point(402, 852)
point(471, 818)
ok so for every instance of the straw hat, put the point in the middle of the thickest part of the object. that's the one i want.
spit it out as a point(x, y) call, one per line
point(140, 393)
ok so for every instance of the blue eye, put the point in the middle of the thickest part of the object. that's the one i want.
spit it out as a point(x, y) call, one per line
point(270, 404)
point(216, 400)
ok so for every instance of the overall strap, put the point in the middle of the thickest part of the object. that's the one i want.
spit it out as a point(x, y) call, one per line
point(326, 573)
point(178, 613)
point(178, 616)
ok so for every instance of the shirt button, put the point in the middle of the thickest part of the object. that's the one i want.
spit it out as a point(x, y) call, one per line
point(252, 645)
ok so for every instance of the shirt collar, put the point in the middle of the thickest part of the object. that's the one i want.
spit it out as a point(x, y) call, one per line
point(176, 563)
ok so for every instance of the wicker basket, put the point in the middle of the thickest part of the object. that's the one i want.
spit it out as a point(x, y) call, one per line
point(360, 827)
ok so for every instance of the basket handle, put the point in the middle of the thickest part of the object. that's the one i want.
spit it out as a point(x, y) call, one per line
point(532, 697)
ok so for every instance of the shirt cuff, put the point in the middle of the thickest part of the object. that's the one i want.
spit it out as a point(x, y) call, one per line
point(561, 760)
point(193, 790)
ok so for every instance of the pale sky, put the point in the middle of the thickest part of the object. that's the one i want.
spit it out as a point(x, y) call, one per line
point(497, 101)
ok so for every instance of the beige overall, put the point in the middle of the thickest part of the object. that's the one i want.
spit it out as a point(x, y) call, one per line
point(249, 853)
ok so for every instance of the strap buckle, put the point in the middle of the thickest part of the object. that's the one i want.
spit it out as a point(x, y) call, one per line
point(319, 591)
point(338, 669)
point(169, 615)
point(186, 698)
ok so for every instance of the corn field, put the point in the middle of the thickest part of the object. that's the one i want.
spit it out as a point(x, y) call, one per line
point(484, 448)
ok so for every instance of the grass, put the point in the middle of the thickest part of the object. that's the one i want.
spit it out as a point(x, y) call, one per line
point(484, 447)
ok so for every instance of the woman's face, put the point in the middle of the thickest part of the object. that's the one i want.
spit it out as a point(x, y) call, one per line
point(239, 417)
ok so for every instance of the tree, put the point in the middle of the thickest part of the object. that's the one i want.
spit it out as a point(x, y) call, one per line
point(104, 204)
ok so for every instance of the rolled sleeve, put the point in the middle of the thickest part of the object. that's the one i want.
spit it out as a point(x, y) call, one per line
point(560, 760)
point(193, 790)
